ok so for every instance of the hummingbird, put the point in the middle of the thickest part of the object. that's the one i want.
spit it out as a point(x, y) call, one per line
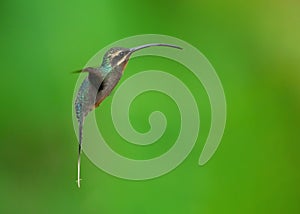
point(100, 82)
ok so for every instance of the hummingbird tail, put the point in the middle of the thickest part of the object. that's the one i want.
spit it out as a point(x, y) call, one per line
point(79, 152)
point(78, 171)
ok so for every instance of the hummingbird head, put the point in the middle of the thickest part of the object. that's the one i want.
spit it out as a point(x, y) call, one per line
point(118, 57)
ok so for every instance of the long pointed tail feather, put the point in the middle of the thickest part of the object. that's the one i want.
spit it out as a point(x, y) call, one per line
point(79, 152)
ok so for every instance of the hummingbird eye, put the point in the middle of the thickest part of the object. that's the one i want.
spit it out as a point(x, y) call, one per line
point(121, 54)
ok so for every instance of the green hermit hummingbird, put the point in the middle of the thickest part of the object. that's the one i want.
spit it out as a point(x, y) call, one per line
point(100, 82)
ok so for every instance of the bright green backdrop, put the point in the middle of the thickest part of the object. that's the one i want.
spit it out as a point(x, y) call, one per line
point(255, 49)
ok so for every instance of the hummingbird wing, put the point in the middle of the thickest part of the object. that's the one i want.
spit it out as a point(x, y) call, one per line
point(96, 78)
point(87, 69)
point(108, 84)
point(86, 96)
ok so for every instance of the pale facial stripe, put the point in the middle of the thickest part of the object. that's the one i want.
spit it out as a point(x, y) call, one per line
point(122, 60)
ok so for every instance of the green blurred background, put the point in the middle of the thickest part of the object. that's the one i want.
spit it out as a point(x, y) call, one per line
point(255, 49)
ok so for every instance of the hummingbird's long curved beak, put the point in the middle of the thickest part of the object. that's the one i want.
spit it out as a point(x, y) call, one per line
point(151, 45)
